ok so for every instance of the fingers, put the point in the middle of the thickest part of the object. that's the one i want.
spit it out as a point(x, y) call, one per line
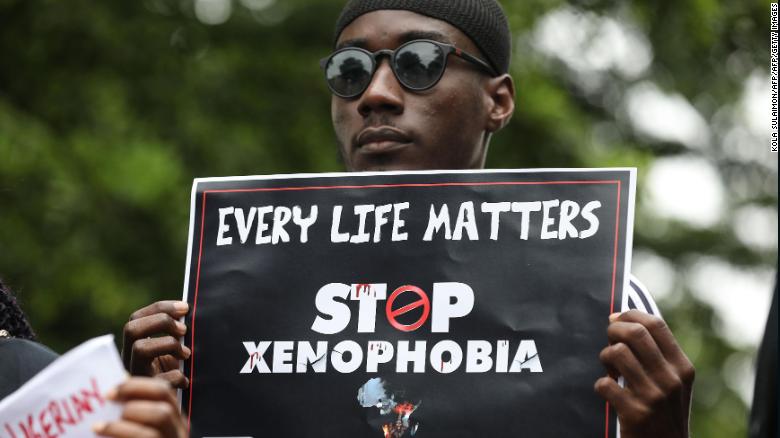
point(145, 351)
point(136, 388)
point(620, 357)
point(160, 416)
point(150, 410)
point(176, 309)
point(640, 340)
point(656, 398)
point(151, 320)
point(664, 340)
point(167, 362)
point(175, 378)
point(618, 397)
point(643, 356)
point(154, 324)
point(125, 429)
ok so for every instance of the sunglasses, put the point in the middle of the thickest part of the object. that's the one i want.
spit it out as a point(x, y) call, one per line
point(418, 65)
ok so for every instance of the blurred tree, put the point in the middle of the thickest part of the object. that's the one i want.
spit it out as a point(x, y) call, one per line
point(109, 109)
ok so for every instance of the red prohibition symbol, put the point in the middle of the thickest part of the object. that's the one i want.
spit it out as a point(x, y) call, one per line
point(392, 313)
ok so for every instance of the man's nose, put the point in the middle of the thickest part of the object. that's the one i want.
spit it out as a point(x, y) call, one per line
point(384, 93)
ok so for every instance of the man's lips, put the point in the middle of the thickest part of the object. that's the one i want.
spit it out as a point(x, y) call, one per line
point(381, 140)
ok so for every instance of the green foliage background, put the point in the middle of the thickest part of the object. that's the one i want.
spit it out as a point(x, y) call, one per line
point(109, 109)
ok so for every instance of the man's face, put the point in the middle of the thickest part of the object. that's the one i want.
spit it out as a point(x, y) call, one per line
point(391, 128)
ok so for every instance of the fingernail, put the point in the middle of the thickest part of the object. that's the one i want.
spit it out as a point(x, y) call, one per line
point(181, 326)
point(98, 427)
point(187, 352)
point(111, 394)
point(613, 317)
point(181, 306)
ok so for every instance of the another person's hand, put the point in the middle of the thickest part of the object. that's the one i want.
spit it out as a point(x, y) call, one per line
point(655, 401)
point(151, 346)
point(150, 411)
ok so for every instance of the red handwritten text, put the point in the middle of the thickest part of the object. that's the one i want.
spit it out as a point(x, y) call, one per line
point(54, 417)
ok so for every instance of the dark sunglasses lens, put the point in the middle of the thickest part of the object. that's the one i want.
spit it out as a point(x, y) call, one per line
point(419, 65)
point(348, 72)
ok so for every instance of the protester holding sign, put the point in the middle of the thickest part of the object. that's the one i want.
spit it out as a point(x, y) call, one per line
point(423, 85)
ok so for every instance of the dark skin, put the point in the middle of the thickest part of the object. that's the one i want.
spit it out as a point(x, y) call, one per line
point(150, 411)
point(158, 356)
point(445, 127)
point(449, 127)
point(656, 399)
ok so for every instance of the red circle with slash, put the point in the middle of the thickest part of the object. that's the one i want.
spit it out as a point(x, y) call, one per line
point(393, 313)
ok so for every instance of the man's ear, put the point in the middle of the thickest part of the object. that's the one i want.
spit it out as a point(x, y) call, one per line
point(500, 100)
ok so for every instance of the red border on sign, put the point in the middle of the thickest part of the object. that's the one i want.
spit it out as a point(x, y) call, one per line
point(382, 186)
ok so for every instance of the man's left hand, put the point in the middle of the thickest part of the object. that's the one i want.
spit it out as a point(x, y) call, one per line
point(655, 401)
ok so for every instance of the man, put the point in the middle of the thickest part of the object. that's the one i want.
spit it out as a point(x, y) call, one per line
point(423, 85)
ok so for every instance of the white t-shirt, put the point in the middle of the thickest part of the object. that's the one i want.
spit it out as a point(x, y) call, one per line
point(637, 297)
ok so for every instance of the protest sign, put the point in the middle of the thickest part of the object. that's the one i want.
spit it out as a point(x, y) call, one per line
point(426, 304)
point(66, 398)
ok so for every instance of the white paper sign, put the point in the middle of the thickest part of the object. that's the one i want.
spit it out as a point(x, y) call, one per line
point(67, 397)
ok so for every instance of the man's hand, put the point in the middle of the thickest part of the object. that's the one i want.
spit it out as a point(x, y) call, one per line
point(157, 356)
point(656, 399)
point(150, 411)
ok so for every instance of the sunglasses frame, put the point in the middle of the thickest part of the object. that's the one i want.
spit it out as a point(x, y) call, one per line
point(447, 49)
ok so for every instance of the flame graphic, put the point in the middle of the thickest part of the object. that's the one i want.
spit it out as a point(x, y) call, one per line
point(375, 393)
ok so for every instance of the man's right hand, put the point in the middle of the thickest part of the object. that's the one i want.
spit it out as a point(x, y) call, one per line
point(151, 342)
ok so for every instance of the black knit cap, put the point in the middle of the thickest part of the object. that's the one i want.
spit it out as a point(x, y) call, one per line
point(481, 20)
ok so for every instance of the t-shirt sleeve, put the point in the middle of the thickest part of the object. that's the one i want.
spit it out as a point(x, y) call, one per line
point(636, 296)
point(20, 360)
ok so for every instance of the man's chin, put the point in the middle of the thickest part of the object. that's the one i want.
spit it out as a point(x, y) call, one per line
point(385, 167)
point(394, 161)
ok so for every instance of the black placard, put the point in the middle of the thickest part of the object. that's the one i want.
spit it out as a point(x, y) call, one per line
point(440, 304)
